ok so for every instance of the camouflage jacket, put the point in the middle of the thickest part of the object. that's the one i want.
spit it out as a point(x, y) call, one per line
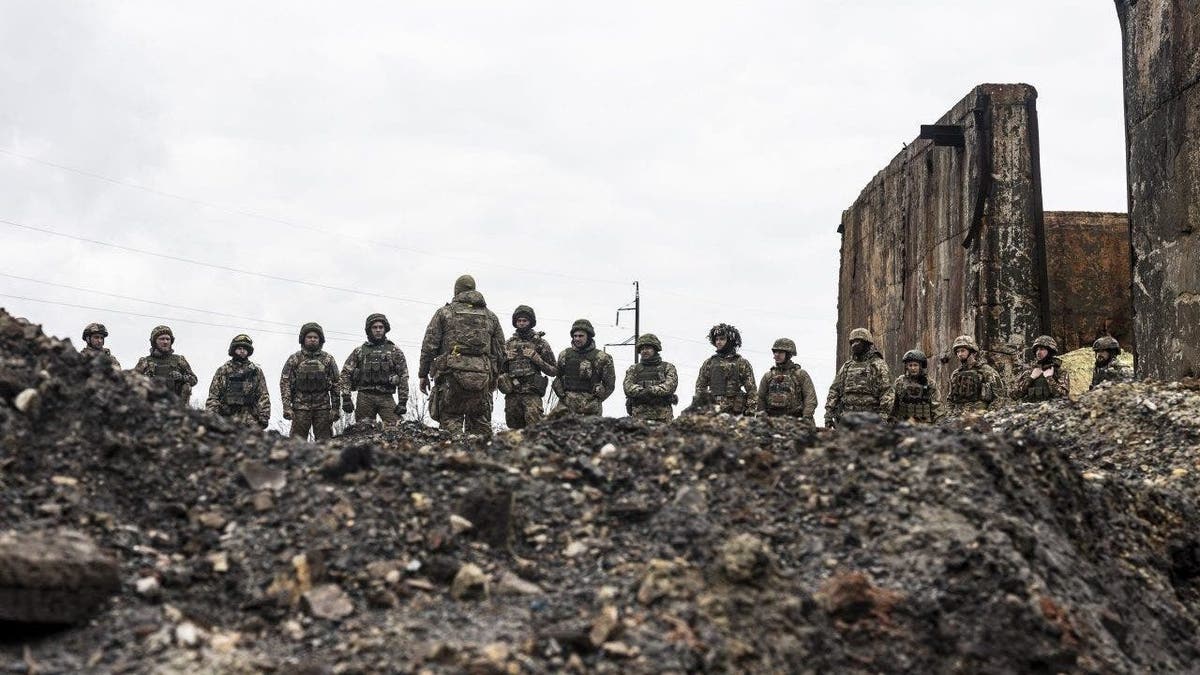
point(916, 398)
point(727, 380)
point(377, 369)
point(976, 386)
point(239, 387)
point(169, 368)
point(787, 389)
point(519, 372)
point(440, 342)
point(308, 380)
point(1113, 372)
point(586, 378)
point(651, 383)
point(861, 385)
point(89, 353)
point(1029, 388)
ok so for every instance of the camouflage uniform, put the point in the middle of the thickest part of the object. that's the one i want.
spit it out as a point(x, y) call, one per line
point(915, 397)
point(650, 384)
point(787, 389)
point(168, 368)
point(527, 362)
point(88, 352)
point(726, 380)
point(461, 352)
point(377, 370)
point(309, 385)
point(1044, 387)
point(1111, 371)
point(586, 377)
point(973, 386)
point(862, 384)
point(239, 388)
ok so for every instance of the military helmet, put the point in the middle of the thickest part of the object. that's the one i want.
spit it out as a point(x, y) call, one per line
point(387, 327)
point(1047, 342)
point(242, 340)
point(730, 332)
point(312, 327)
point(525, 311)
point(915, 355)
point(94, 328)
point(464, 283)
point(784, 345)
point(965, 341)
point(862, 334)
point(585, 326)
point(1106, 343)
point(649, 340)
point(161, 330)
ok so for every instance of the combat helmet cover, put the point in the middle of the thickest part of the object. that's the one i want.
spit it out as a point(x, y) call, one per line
point(649, 340)
point(161, 330)
point(862, 334)
point(242, 340)
point(965, 341)
point(387, 327)
point(93, 329)
point(585, 326)
point(784, 345)
point(731, 333)
point(312, 327)
point(1047, 342)
point(525, 311)
point(917, 356)
point(1106, 343)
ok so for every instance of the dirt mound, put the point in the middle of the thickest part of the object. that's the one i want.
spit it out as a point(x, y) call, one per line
point(713, 543)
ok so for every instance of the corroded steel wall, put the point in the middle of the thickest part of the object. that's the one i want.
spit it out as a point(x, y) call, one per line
point(948, 240)
point(1087, 263)
point(1161, 47)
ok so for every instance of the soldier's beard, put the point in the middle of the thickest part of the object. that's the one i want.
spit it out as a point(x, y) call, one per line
point(314, 348)
point(1104, 361)
point(376, 340)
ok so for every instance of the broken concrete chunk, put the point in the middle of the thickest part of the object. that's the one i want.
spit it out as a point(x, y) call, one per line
point(328, 601)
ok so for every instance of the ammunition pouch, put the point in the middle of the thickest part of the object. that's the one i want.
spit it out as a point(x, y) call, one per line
point(472, 372)
point(376, 369)
point(966, 386)
point(311, 377)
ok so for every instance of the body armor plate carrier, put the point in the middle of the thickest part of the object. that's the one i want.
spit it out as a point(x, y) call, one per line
point(579, 373)
point(311, 377)
point(913, 402)
point(376, 369)
point(781, 392)
point(167, 371)
point(966, 386)
point(241, 388)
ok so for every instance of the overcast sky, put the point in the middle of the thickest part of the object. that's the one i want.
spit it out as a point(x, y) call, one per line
point(557, 151)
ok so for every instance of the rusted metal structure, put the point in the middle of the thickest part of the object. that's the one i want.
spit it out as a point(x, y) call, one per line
point(1087, 267)
point(1161, 54)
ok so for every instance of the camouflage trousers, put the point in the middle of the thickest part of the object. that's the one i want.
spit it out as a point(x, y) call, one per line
point(522, 410)
point(372, 403)
point(458, 410)
point(577, 403)
point(652, 413)
point(319, 421)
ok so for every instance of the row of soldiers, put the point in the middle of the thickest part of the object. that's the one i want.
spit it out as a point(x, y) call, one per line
point(464, 359)
point(862, 383)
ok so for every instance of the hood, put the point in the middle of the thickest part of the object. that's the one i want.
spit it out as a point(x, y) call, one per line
point(474, 298)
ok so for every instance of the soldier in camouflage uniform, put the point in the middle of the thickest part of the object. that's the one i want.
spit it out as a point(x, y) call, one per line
point(1107, 369)
point(974, 385)
point(862, 384)
point(650, 383)
point(461, 353)
point(93, 344)
point(528, 362)
point(165, 366)
point(726, 380)
point(309, 386)
point(916, 396)
point(1045, 378)
point(786, 389)
point(586, 375)
point(377, 370)
point(239, 388)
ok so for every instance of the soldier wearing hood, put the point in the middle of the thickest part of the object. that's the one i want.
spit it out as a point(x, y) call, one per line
point(93, 344)
point(461, 355)
point(787, 389)
point(309, 386)
point(1045, 378)
point(163, 365)
point(586, 375)
point(527, 363)
point(378, 371)
point(862, 384)
point(974, 385)
point(650, 383)
point(1107, 368)
point(726, 380)
point(239, 388)
point(915, 396)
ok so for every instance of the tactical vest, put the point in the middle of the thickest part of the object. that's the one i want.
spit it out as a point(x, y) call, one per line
point(526, 377)
point(580, 372)
point(781, 391)
point(1110, 373)
point(241, 388)
point(469, 330)
point(652, 376)
point(723, 377)
point(859, 379)
point(913, 401)
point(311, 376)
point(966, 385)
point(1039, 389)
point(376, 367)
point(166, 369)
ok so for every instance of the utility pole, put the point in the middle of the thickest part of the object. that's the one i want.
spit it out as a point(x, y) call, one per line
point(636, 308)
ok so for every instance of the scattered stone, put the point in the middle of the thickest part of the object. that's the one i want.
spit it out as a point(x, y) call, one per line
point(187, 635)
point(510, 584)
point(28, 402)
point(259, 476)
point(263, 502)
point(458, 524)
point(328, 601)
point(744, 558)
point(604, 626)
point(148, 586)
point(470, 583)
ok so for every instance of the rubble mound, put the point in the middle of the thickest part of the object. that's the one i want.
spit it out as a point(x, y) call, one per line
point(713, 543)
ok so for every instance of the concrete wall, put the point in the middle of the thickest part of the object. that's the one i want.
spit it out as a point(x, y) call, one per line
point(948, 240)
point(1087, 262)
point(1161, 46)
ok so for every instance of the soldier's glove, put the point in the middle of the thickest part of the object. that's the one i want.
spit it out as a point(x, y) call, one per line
point(347, 405)
point(287, 415)
point(425, 385)
point(829, 423)
point(394, 380)
point(598, 390)
point(401, 408)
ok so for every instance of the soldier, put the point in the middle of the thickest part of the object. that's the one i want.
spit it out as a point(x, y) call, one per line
point(974, 385)
point(862, 384)
point(461, 353)
point(239, 388)
point(93, 344)
point(650, 383)
point(376, 369)
point(309, 386)
point(1107, 369)
point(786, 389)
point(528, 362)
point(726, 380)
point(586, 376)
point(1045, 378)
point(165, 366)
point(915, 395)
